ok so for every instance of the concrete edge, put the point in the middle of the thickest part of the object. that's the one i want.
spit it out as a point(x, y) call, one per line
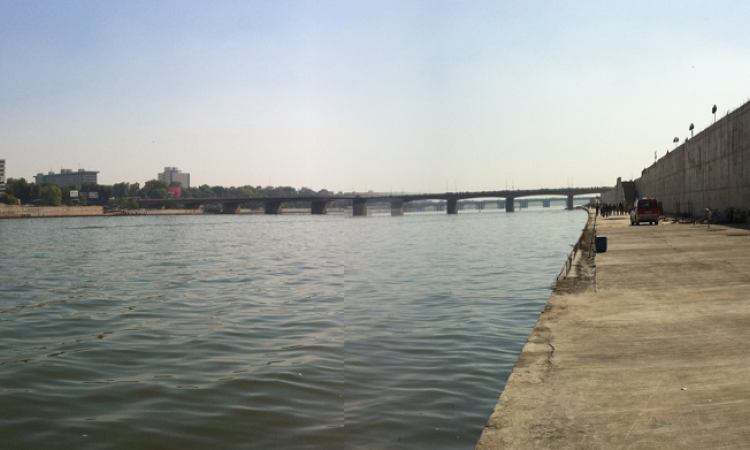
point(535, 360)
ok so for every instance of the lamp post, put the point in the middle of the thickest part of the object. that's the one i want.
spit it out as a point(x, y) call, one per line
point(691, 129)
point(713, 111)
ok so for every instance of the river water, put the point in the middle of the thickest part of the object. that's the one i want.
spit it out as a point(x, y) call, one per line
point(268, 332)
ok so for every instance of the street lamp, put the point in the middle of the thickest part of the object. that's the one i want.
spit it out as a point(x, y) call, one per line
point(713, 111)
point(691, 129)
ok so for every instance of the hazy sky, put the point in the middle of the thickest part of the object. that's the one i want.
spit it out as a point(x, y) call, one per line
point(381, 95)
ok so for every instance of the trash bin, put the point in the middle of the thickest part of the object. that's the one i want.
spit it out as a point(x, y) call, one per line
point(600, 244)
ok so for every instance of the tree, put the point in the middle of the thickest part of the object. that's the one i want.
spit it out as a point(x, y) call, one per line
point(191, 193)
point(90, 186)
point(206, 191)
point(9, 199)
point(65, 194)
point(50, 195)
point(35, 190)
point(154, 189)
point(126, 203)
point(19, 188)
point(105, 193)
point(121, 190)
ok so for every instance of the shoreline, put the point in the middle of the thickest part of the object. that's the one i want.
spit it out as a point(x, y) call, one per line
point(40, 212)
point(534, 363)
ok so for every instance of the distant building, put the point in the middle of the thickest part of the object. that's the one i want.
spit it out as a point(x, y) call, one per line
point(2, 175)
point(66, 177)
point(171, 174)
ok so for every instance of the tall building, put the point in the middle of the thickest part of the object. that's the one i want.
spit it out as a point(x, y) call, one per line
point(171, 174)
point(66, 177)
point(2, 175)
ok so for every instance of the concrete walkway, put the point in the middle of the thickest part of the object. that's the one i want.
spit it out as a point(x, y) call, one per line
point(654, 355)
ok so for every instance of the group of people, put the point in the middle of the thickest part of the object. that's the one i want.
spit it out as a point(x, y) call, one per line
point(607, 210)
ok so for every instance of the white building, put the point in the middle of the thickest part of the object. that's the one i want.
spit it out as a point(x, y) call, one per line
point(171, 174)
point(66, 177)
point(2, 175)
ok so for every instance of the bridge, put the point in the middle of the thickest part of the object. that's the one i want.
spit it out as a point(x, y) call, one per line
point(319, 204)
point(481, 204)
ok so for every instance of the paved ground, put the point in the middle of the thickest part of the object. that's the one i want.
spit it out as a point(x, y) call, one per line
point(654, 355)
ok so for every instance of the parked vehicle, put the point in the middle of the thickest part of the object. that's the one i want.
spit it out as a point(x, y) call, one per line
point(645, 210)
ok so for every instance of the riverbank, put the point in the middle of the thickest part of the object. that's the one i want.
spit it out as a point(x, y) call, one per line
point(21, 212)
point(14, 211)
point(647, 355)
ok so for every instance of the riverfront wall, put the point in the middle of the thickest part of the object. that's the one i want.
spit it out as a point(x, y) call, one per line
point(11, 211)
point(710, 170)
point(624, 192)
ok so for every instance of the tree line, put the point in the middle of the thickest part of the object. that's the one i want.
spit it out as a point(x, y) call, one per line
point(125, 195)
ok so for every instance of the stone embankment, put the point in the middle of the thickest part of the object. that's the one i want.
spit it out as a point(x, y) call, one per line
point(706, 171)
point(646, 354)
point(13, 211)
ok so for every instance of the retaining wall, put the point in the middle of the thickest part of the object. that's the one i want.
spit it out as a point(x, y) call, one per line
point(710, 170)
point(11, 211)
point(615, 196)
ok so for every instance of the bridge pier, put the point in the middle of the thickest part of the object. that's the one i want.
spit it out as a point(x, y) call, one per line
point(569, 202)
point(452, 206)
point(273, 207)
point(320, 207)
point(359, 207)
point(230, 208)
point(546, 203)
point(397, 207)
point(510, 204)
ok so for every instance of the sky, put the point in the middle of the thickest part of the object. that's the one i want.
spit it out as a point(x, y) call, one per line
point(404, 95)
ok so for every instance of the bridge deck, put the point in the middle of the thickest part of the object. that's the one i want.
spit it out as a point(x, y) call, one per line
point(515, 194)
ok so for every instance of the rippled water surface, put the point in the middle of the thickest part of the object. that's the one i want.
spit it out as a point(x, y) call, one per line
point(267, 332)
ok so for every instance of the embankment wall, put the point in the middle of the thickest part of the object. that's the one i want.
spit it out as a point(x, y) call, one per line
point(615, 196)
point(710, 170)
point(164, 212)
point(12, 211)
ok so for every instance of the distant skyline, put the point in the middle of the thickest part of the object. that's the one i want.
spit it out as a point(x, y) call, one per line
point(364, 95)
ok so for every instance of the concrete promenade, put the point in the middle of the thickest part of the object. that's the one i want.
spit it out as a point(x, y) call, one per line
point(655, 354)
